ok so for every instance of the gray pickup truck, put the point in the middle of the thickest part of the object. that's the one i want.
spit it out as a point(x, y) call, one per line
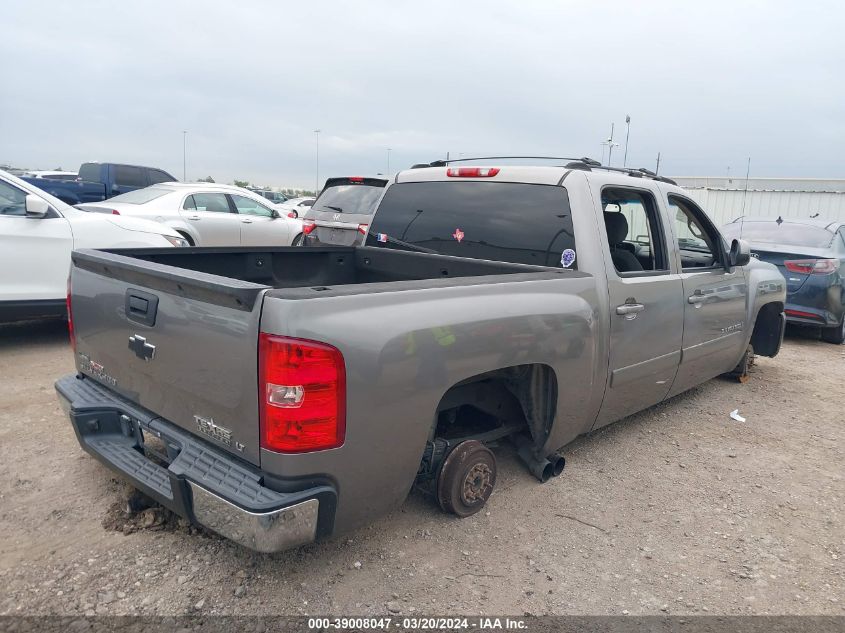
point(281, 395)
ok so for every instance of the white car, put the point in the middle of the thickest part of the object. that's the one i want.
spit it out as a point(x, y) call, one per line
point(52, 175)
point(298, 206)
point(208, 214)
point(38, 233)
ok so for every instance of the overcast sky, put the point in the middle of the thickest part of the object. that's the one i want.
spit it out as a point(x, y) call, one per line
point(251, 81)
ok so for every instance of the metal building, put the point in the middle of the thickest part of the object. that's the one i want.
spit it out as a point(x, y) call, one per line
point(725, 198)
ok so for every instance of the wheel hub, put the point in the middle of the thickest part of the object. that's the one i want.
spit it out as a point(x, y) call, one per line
point(476, 484)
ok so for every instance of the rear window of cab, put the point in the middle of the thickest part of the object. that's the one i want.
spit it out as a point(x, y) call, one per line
point(508, 222)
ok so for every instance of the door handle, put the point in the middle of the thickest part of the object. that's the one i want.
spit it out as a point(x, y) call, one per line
point(629, 309)
point(697, 298)
point(247, 221)
point(194, 217)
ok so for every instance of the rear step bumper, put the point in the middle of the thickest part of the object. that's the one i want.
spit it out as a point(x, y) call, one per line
point(193, 479)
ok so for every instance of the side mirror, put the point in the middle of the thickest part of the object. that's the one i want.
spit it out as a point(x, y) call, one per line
point(36, 207)
point(274, 214)
point(740, 253)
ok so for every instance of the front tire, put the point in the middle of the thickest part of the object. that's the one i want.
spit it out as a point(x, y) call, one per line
point(835, 335)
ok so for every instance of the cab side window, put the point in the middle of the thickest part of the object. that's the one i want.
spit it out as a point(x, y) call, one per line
point(699, 243)
point(634, 232)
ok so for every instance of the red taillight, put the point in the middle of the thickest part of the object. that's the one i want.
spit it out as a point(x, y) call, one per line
point(803, 315)
point(308, 226)
point(363, 228)
point(812, 266)
point(292, 214)
point(302, 395)
point(472, 172)
point(115, 212)
point(356, 179)
point(70, 319)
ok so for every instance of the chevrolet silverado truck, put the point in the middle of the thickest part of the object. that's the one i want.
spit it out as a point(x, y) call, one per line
point(282, 395)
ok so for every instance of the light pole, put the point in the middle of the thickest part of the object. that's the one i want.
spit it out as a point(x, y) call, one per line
point(388, 161)
point(627, 133)
point(317, 161)
point(184, 155)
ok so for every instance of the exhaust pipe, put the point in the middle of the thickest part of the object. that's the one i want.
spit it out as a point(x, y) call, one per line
point(542, 468)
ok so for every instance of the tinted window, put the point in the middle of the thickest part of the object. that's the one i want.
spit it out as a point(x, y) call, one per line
point(772, 232)
point(510, 222)
point(12, 200)
point(90, 172)
point(249, 206)
point(349, 198)
point(213, 202)
point(129, 176)
point(156, 176)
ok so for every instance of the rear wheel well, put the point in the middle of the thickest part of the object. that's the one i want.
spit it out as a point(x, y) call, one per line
point(768, 329)
point(499, 403)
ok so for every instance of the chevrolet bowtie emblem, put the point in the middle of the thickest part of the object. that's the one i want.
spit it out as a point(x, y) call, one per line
point(142, 349)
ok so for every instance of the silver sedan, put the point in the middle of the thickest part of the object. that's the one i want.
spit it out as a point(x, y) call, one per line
point(208, 214)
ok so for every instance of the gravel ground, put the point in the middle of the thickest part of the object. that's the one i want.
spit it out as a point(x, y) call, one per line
point(678, 509)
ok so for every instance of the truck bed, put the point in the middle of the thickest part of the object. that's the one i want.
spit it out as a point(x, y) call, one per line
point(236, 276)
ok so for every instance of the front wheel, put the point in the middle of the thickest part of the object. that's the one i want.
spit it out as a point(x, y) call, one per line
point(298, 240)
point(835, 335)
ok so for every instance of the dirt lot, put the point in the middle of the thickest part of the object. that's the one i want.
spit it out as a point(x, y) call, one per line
point(678, 509)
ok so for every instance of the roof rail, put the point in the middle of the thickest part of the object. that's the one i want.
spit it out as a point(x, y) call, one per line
point(584, 164)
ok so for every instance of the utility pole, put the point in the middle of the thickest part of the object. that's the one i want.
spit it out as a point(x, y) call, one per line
point(610, 145)
point(388, 161)
point(184, 155)
point(627, 133)
point(317, 161)
point(657, 168)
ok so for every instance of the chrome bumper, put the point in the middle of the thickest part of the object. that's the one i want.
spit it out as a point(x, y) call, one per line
point(201, 482)
point(263, 532)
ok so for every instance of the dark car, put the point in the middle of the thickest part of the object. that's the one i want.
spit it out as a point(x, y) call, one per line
point(810, 254)
point(342, 212)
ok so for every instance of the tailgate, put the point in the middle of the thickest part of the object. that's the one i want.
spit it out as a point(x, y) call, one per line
point(180, 343)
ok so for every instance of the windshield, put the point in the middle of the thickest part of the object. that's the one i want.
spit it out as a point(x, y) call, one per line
point(773, 232)
point(141, 196)
point(352, 198)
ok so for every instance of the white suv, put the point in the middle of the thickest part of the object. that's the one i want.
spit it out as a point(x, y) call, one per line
point(38, 233)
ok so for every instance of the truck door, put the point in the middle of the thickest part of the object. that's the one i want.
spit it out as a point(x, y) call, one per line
point(714, 298)
point(646, 303)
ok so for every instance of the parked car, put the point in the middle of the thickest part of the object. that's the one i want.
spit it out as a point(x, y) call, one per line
point(208, 214)
point(298, 206)
point(273, 196)
point(38, 233)
point(342, 212)
point(810, 253)
point(100, 181)
point(301, 392)
point(53, 175)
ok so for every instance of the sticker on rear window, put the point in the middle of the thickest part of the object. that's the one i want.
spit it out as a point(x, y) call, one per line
point(382, 237)
point(567, 258)
point(458, 235)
